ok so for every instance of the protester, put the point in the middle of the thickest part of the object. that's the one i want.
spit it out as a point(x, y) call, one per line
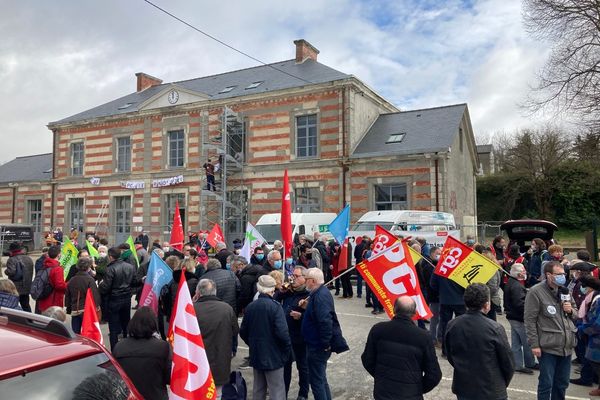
point(494, 285)
point(39, 263)
point(359, 250)
point(400, 356)
point(549, 323)
point(591, 327)
point(209, 170)
point(248, 278)
point(56, 279)
point(168, 293)
point(117, 286)
point(433, 296)
point(478, 349)
point(499, 248)
point(470, 242)
point(228, 285)
point(19, 269)
point(9, 296)
point(265, 331)
point(514, 305)
point(55, 312)
point(219, 325)
point(222, 254)
point(145, 359)
point(77, 292)
point(536, 254)
point(322, 333)
point(290, 300)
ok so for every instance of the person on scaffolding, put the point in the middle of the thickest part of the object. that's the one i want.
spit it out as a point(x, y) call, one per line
point(209, 168)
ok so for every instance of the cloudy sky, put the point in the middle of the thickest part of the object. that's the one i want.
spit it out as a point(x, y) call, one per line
point(60, 57)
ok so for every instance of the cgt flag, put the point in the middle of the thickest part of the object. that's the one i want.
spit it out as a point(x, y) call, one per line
point(391, 274)
point(464, 266)
point(191, 378)
point(68, 256)
point(215, 236)
point(158, 275)
point(90, 326)
point(384, 239)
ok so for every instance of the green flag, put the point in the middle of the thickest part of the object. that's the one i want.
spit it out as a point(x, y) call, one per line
point(91, 249)
point(132, 248)
point(68, 256)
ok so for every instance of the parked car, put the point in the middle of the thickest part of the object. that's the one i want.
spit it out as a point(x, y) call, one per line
point(523, 231)
point(21, 233)
point(40, 358)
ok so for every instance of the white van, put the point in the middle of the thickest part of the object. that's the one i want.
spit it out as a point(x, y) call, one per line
point(434, 226)
point(269, 225)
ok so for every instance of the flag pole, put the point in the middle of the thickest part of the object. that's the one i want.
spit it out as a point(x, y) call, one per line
point(342, 274)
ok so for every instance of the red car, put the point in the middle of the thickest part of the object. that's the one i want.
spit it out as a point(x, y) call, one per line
point(40, 358)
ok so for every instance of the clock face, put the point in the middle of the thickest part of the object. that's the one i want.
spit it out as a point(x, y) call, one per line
point(173, 96)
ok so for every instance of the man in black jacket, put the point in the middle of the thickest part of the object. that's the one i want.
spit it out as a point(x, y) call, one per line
point(117, 285)
point(478, 349)
point(514, 305)
point(401, 357)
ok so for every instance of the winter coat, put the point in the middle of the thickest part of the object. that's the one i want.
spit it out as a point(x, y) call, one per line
point(401, 358)
point(39, 263)
point(534, 265)
point(591, 328)
point(23, 285)
point(494, 285)
point(478, 347)
point(219, 325)
point(514, 299)
point(119, 279)
point(168, 293)
point(248, 278)
point(320, 326)
point(77, 291)
point(57, 281)
point(265, 331)
point(289, 301)
point(9, 300)
point(147, 362)
point(450, 292)
point(222, 257)
point(546, 324)
point(228, 285)
point(424, 272)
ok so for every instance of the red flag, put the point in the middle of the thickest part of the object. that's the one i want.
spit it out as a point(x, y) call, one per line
point(215, 236)
point(190, 374)
point(176, 241)
point(392, 274)
point(343, 259)
point(383, 240)
point(286, 216)
point(90, 326)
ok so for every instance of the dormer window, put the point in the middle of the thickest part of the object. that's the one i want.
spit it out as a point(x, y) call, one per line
point(395, 138)
point(227, 89)
point(254, 85)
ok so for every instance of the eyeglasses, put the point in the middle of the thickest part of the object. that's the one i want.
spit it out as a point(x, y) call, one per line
point(297, 276)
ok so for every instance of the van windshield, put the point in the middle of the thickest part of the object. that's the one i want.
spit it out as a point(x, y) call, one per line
point(271, 232)
point(370, 225)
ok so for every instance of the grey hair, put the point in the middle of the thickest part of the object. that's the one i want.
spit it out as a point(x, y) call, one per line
point(516, 269)
point(272, 253)
point(213, 264)
point(55, 312)
point(206, 287)
point(238, 260)
point(302, 268)
point(316, 274)
point(221, 246)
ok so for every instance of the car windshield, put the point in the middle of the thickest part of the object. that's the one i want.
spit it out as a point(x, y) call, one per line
point(93, 377)
point(271, 232)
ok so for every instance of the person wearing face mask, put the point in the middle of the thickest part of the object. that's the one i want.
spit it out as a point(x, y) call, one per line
point(258, 258)
point(478, 349)
point(514, 304)
point(549, 320)
point(274, 261)
point(499, 247)
point(470, 241)
point(536, 254)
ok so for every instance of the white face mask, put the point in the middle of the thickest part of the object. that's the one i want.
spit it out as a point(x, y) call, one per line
point(102, 254)
point(165, 249)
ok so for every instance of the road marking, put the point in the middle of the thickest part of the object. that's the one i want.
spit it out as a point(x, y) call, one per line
point(528, 391)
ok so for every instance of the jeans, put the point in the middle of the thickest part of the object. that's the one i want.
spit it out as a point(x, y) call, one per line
point(518, 344)
point(317, 370)
point(435, 321)
point(24, 301)
point(301, 366)
point(446, 313)
point(118, 319)
point(271, 380)
point(554, 376)
point(210, 182)
point(76, 321)
point(359, 282)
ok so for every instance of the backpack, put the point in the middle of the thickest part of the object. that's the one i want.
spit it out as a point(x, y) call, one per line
point(236, 388)
point(41, 286)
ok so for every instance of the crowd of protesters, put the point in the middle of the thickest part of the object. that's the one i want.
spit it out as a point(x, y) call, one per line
point(288, 315)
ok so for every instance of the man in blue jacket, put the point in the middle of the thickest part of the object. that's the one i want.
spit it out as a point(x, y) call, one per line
point(451, 301)
point(322, 333)
point(265, 331)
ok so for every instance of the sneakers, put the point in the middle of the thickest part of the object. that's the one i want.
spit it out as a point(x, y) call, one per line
point(526, 371)
point(580, 382)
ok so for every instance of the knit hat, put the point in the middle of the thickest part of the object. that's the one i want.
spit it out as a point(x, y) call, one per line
point(265, 283)
point(14, 246)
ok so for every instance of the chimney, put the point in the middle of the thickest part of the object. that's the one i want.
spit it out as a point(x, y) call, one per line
point(305, 50)
point(144, 81)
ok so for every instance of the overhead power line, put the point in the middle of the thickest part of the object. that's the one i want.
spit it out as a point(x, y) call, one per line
point(222, 42)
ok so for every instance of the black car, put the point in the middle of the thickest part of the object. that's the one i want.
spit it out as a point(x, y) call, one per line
point(523, 231)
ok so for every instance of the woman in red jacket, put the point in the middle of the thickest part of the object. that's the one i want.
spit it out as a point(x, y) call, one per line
point(57, 281)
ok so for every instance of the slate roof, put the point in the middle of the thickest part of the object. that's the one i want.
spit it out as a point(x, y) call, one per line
point(427, 130)
point(310, 72)
point(29, 168)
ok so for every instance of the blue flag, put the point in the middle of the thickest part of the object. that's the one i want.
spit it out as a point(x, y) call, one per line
point(159, 274)
point(340, 225)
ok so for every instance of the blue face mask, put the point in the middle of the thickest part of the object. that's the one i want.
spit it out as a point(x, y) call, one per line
point(260, 256)
point(560, 280)
point(289, 261)
point(228, 266)
point(277, 264)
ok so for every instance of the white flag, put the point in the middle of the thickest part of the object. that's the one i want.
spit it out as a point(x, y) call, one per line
point(252, 240)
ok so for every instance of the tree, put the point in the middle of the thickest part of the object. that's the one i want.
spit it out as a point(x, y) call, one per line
point(570, 80)
point(587, 148)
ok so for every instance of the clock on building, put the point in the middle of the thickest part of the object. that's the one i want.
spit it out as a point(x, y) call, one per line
point(173, 96)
